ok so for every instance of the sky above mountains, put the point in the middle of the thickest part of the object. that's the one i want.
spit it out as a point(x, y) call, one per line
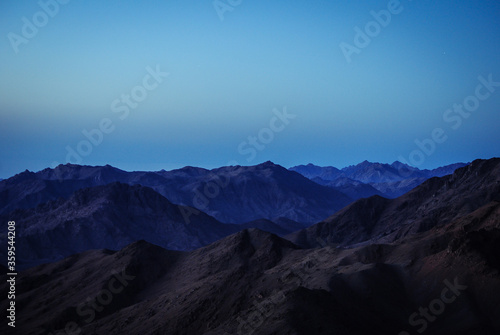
point(163, 84)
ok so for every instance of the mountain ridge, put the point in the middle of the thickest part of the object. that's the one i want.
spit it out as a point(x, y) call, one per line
point(233, 194)
point(388, 180)
point(253, 281)
point(424, 261)
point(418, 210)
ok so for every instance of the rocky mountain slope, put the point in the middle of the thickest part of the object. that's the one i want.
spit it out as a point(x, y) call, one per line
point(353, 188)
point(436, 202)
point(444, 281)
point(114, 215)
point(426, 262)
point(367, 179)
point(110, 216)
point(233, 194)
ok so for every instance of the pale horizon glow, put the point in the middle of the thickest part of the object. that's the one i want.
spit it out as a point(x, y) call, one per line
point(227, 78)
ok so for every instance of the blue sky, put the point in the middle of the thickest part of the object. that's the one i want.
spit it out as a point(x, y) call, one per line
point(229, 79)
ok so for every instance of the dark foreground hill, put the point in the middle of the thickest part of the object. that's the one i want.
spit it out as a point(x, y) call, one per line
point(444, 281)
point(427, 262)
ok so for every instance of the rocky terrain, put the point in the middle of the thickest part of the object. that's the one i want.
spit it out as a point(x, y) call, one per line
point(233, 194)
point(434, 203)
point(115, 215)
point(444, 281)
point(366, 179)
point(426, 262)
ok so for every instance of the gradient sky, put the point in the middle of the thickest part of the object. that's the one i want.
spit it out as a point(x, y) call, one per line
point(226, 77)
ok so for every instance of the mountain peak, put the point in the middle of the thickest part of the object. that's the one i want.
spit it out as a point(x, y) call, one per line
point(268, 164)
point(188, 170)
point(419, 210)
point(25, 175)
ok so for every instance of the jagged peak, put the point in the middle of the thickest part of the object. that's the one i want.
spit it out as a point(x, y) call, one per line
point(268, 164)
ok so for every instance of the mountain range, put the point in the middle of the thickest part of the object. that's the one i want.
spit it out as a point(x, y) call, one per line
point(115, 215)
point(426, 261)
point(435, 272)
point(366, 179)
point(74, 208)
point(225, 192)
point(233, 194)
point(434, 203)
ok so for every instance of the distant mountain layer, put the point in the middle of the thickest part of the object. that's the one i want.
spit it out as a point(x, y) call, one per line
point(232, 194)
point(113, 216)
point(426, 262)
point(353, 188)
point(367, 179)
point(434, 203)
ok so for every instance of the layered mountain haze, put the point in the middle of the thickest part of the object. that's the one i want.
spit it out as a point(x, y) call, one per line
point(29, 189)
point(367, 179)
point(124, 258)
point(234, 194)
point(111, 217)
point(360, 193)
point(103, 207)
point(436, 202)
point(353, 188)
point(239, 194)
point(73, 203)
